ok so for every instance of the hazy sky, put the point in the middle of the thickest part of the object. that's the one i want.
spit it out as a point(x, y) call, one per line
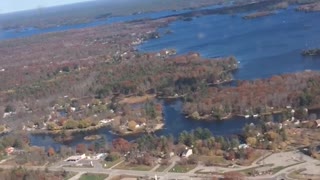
point(18, 5)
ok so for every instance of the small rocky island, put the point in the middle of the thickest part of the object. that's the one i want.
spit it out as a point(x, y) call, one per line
point(258, 14)
point(311, 52)
point(313, 7)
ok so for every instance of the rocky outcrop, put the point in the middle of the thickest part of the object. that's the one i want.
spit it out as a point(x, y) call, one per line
point(311, 52)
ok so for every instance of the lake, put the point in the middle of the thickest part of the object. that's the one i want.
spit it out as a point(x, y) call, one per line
point(266, 46)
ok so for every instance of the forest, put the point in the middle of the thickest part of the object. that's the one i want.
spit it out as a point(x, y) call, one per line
point(178, 75)
point(300, 90)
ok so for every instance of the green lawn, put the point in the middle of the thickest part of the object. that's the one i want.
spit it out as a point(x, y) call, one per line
point(200, 172)
point(109, 164)
point(182, 168)
point(88, 176)
point(214, 160)
point(161, 168)
point(127, 166)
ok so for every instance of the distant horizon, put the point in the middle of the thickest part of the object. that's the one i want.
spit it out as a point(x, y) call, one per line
point(14, 6)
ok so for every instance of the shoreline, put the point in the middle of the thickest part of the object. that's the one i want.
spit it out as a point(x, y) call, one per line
point(158, 127)
point(72, 131)
point(208, 117)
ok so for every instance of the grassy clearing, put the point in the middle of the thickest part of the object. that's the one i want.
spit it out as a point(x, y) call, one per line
point(214, 160)
point(89, 176)
point(279, 168)
point(200, 172)
point(182, 168)
point(128, 166)
point(119, 177)
point(109, 164)
point(161, 168)
point(296, 174)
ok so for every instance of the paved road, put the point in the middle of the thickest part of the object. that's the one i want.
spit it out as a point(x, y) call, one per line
point(309, 162)
point(116, 172)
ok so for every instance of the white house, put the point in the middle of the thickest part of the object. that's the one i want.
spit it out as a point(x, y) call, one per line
point(76, 158)
point(243, 146)
point(7, 114)
point(318, 123)
point(187, 153)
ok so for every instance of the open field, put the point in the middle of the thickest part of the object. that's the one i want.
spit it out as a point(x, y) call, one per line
point(126, 166)
point(161, 168)
point(182, 168)
point(88, 176)
point(109, 164)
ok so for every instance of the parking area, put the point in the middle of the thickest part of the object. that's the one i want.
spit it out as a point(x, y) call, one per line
point(284, 158)
point(81, 161)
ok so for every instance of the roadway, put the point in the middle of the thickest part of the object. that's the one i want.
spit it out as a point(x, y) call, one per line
point(310, 164)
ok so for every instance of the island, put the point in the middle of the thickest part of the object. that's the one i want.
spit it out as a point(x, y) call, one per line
point(258, 14)
point(311, 52)
point(313, 7)
point(92, 137)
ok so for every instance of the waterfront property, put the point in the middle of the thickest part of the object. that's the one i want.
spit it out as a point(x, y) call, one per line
point(76, 158)
point(188, 152)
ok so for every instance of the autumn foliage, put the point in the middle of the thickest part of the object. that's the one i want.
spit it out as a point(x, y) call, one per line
point(258, 96)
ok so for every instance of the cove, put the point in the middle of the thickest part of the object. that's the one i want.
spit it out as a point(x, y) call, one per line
point(175, 123)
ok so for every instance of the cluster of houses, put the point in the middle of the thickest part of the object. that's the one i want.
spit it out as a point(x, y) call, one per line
point(105, 121)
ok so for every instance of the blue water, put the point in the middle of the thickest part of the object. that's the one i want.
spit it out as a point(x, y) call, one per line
point(11, 34)
point(175, 122)
point(265, 46)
